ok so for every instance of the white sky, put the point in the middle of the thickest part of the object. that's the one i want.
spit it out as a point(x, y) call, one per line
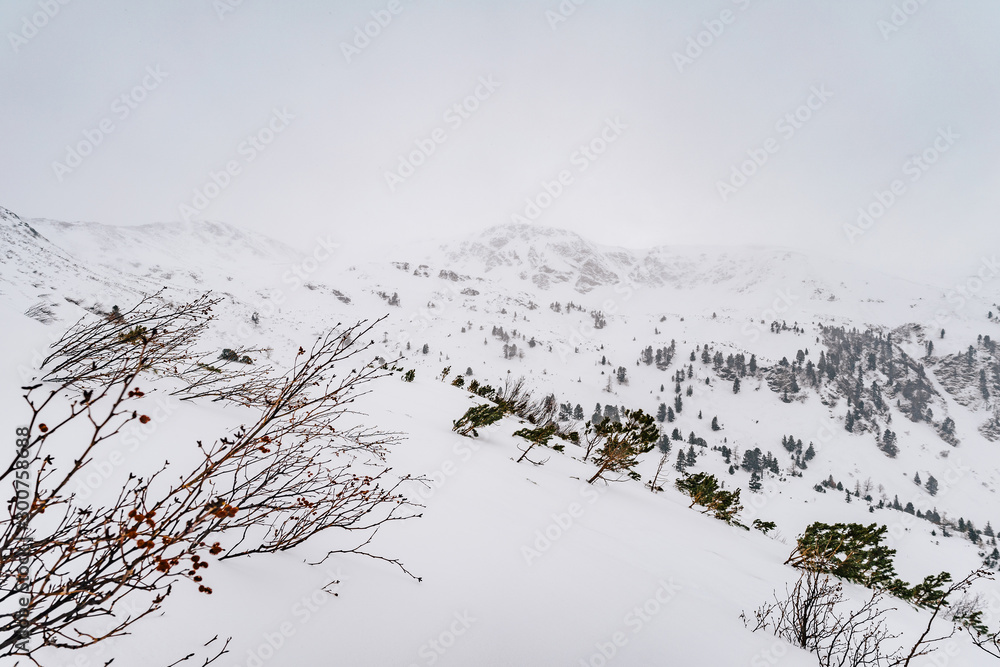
point(657, 183)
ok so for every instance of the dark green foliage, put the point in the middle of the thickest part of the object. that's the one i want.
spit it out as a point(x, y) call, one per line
point(477, 417)
point(850, 551)
point(888, 444)
point(764, 526)
point(623, 441)
point(537, 437)
point(704, 490)
point(409, 375)
point(136, 335)
point(459, 381)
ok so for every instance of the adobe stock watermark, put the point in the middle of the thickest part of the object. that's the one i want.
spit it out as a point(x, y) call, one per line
point(770, 656)
point(704, 39)
point(585, 155)
point(636, 620)
point(561, 523)
point(303, 611)
point(958, 296)
point(364, 34)
point(31, 25)
point(248, 149)
point(786, 127)
point(323, 250)
point(914, 168)
point(225, 7)
point(562, 12)
point(456, 115)
point(585, 332)
point(782, 304)
point(423, 318)
point(133, 435)
point(464, 451)
point(432, 650)
point(121, 108)
point(900, 16)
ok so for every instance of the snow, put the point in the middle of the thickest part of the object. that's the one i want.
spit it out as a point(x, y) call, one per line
point(523, 564)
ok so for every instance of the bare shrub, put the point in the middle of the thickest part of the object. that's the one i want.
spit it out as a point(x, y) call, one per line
point(267, 486)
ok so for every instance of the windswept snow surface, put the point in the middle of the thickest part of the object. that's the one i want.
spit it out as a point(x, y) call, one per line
point(525, 564)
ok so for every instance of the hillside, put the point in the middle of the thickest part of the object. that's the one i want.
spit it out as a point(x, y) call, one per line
point(527, 564)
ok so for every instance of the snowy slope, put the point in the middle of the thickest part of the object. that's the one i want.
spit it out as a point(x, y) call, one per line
point(481, 546)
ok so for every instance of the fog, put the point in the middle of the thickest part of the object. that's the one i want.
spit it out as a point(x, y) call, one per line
point(865, 131)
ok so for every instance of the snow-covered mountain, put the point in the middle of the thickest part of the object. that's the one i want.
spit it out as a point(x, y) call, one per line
point(528, 565)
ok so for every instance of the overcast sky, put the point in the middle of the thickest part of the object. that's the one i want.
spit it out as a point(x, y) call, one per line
point(762, 122)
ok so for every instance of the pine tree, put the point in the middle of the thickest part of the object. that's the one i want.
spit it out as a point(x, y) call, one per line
point(670, 414)
point(850, 551)
point(623, 441)
point(578, 412)
point(916, 478)
point(736, 386)
point(681, 461)
point(597, 417)
point(692, 458)
point(704, 490)
point(755, 484)
point(715, 424)
point(661, 412)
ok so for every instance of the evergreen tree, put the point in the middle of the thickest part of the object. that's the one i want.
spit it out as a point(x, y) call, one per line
point(736, 386)
point(623, 441)
point(692, 458)
point(670, 414)
point(850, 551)
point(715, 424)
point(477, 417)
point(755, 484)
point(597, 417)
point(753, 364)
point(916, 478)
point(661, 412)
point(704, 490)
point(681, 461)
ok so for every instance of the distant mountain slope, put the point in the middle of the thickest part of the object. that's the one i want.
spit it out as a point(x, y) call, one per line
point(767, 343)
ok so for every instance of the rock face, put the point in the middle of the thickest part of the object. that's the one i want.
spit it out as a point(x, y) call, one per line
point(548, 258)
